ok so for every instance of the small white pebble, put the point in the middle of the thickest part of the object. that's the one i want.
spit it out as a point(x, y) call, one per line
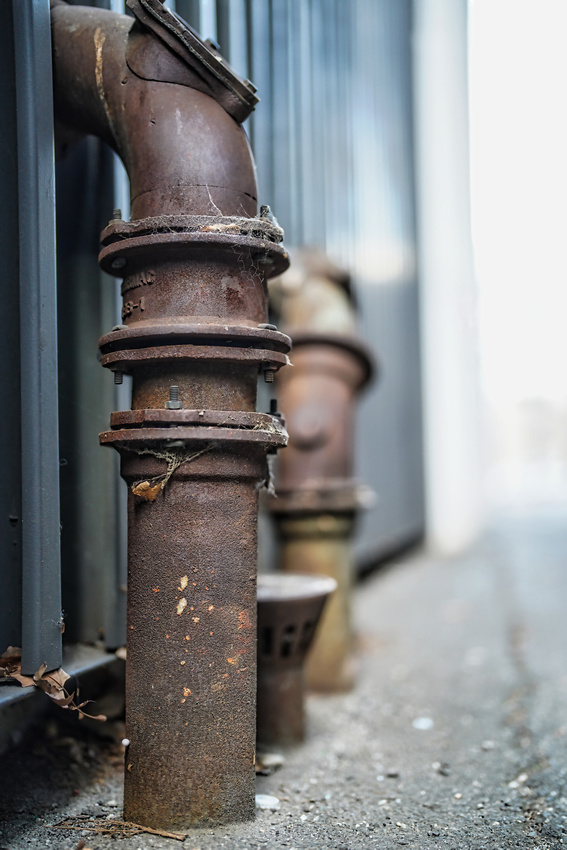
point(401, 825)
point(112, 803)
point(458, 796)
point(423, 723)
point(265, 801)
point(125, 742)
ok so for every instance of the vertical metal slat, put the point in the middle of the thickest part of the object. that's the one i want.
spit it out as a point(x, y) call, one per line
point(41, 606)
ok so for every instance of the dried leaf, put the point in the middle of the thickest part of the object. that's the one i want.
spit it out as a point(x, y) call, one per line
point(25, 681)
point(56, 680)
point(39, 674)
point(62, 700)
point(52, 683)
point(145, 490)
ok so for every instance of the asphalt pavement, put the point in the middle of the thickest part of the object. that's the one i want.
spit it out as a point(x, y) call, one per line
point(454, 737)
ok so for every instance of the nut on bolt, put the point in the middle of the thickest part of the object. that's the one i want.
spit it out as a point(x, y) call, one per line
point(173, 402)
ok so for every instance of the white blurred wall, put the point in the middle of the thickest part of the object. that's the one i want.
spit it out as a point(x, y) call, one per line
point(518, 77)
point(452, 406)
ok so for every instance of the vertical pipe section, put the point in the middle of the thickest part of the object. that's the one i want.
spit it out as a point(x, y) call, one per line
point(191, 672)
point(41, 607)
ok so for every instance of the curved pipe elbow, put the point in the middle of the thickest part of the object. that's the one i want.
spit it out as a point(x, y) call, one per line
point(183, 153)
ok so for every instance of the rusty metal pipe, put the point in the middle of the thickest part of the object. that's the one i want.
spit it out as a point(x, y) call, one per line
point(183, 152)
point(318, 497)
point(194, 263)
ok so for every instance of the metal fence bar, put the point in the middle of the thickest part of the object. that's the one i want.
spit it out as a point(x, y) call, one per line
point(10, 494)
point(41, 606)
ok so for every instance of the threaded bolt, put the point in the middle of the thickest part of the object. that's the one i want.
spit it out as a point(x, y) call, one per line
point(173, 402)
point(269, 375)
point(118, 377)
point(116, 215)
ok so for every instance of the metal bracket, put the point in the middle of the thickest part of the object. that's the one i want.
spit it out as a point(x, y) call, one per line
point(235, 95)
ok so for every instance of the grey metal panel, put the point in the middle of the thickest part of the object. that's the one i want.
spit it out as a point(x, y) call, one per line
point(390, 428)
point(261, 73)
point(41, 609)
point(10, 436)
point(208, 19)
point(190, 11)
point(334, 148)
point(87, 309)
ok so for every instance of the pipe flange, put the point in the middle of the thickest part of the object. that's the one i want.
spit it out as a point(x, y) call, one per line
point(365, 358)
point(153, 334)
point(175, 437)
point(200, 418)
point(329, 497)
point(125, 361)
point(133, 428)
point(130, 246)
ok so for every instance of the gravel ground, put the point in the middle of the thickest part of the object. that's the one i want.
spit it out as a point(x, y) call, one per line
point(455, 737)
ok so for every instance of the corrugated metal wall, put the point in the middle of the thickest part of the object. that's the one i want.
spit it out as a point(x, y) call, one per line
point(332, 138)
point(333, 141)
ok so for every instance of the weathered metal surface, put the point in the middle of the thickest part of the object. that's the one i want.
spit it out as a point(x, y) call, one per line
point(318, 398)
point(182, 150)
point(318, 496)
point(320, 544)
point(194, 338)
point(211, 73)
point(289, 608)
point(191, 671)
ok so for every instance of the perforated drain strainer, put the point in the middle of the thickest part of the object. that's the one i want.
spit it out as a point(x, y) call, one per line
point(289, 608)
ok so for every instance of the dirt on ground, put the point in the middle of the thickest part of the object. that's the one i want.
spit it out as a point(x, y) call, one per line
point(454, 737)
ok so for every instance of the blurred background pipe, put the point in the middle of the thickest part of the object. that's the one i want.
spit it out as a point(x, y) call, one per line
point(317, 497)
